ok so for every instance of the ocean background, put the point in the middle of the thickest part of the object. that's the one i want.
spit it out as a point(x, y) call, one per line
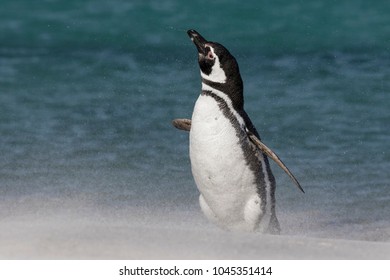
point(88, 90)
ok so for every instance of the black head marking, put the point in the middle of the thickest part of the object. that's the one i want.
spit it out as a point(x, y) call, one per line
point(219, 68)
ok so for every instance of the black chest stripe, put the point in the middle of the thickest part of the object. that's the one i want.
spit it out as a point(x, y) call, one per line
point(251, 153)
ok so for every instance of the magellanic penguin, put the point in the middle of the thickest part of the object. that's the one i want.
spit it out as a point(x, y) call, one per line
point(228, 160)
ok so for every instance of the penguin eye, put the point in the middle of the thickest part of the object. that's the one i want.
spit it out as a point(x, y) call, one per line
point(210, 55)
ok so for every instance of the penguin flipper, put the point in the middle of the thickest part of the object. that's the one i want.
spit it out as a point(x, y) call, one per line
point(182, 124)
point(255, 140)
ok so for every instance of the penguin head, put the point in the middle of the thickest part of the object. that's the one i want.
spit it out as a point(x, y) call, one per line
point(215, 61)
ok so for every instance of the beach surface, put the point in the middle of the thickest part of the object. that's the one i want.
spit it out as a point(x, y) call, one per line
point(177, 236)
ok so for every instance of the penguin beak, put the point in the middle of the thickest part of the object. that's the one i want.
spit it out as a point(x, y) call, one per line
point(198, 40)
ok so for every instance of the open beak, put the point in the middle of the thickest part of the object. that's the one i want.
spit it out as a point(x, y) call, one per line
point(198, 40)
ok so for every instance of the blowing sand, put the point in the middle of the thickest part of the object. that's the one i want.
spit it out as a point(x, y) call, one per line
point(150, 235)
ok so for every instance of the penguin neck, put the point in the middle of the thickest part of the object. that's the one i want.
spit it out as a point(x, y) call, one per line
point(232, 88)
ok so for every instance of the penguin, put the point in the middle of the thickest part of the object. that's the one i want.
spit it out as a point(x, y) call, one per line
point(229, 162)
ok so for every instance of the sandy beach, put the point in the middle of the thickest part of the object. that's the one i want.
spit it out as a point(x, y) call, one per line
point(177, 236)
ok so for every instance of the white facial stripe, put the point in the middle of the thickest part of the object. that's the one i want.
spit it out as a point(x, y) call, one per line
point(227, 100)
point(217, 74)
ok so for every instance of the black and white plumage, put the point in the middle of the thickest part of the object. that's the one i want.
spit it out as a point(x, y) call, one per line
point(228, 160)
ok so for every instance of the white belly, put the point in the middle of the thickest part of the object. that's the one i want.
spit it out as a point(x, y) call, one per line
point(224, 179)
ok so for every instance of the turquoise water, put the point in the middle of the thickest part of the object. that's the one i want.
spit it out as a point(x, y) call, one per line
point(88, 90)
